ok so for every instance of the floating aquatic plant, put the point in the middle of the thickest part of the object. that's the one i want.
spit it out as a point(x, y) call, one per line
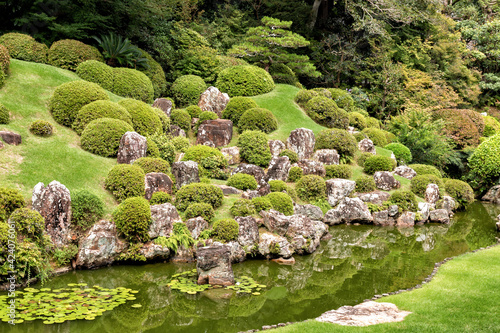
point(78, 301)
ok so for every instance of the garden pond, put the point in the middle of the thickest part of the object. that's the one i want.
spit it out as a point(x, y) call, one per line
point(357, 263)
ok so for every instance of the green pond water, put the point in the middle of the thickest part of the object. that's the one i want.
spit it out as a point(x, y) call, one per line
point(357, 263)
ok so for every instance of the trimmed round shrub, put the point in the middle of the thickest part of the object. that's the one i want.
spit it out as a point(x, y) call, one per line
point(86, 209)
point(70, 97)
point(277, 186)
point(244, 81)
point(125, 181)
point(225, 230)
point(294, 174)
point(337, 139)
point(242, 207)
point(4, 60)
point(424, 169)
point(377, 136)
point(372, 122)
point(131, 83)
point(236, 107)
point(181, 118)
point(357, 120)
point(10, 200)
point(325, 112)
point(133, 218)
point(28, 222)
point(359, 136)
point(97, 72)
point(199, 152)
point(460, 191)
point(187, 90)
point(390, 137)
point(194, 111)
point(342, 98)
point(254, 148)
point(292, 156)
point(281, 73)
point(362, 157)
point(4, 114)
point(242, 181)
point(41, 128)
point(261, 203)
point(24, 47)
point(485, 161)
point(164, 119)
point(258, 119)
point(102, 136)
point(419, 184)
point(206, 211)
point(198, 192)
point(165, 147)
point(180, 143)
point(311, 187)
point(464, 127)
point(152, 150)
point(281, 202)
point(378, 163)
point(3, 77)
point(99, 109)
point(343, 171)
point(159, 198)
point(365, 184)
point(156, 74)
point(323, 92)
point(303, 96)
point(144, 119)
point(491, 126)
point(69, 53)
point(401, 152)
point(405, 200)
point(152, 164)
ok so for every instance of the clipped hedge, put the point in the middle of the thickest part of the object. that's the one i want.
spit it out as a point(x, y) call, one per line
point(303, 96)
point(254, 148)
point(325, 112)
point(236, 107)
point(194, 111)
point(372, 122)
point(4, 114)
point(69, 53)
point(261, 203)
point(125, 181)
point(242, 182)
point(180, 143)
point(485, 161)
point(362, 157)
point(365, 184)
point(99, 109)
point(377, 136)
point(28, 222)
point(10, 200)
point(133, 218)
point(24, 47)
point(419, 184)
point(159, 198)
point(424, 169)
point(242, 207)
point(225, 230)
point(357, 120)
point(491, 126)
point(277, 186)
point(4, 60)
point(205, 210)
point(102, 136)
point(86, 209)
point(378, 163)
point(187, 90)
point(152, 164)
point(152, 150)
point(144, 119)
point(97, 72)
point(401, 152)
point(294, 174)
point(258, 119)
point(292, 155)
point(132, 83)
point(337, 139)
point(181, 118)
point(164, 119)
point(460, 191)
point(281, 73)
point(311, 187)
point(244, 81)
point(343, 171)
point(41, 128)
point(198, 192)
point(165, 147)
point(405, 200)
point(199, 152)
point(281, 202)
point(342, 98)
point(156, 74)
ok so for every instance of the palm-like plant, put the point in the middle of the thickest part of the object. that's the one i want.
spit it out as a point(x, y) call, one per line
point(120, 52)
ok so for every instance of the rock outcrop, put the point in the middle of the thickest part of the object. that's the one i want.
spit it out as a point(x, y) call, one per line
point(196, 226)
point(216, 133)
point(302, 141)
point(432, 193)
point(493, 195)
point(326, 156)
point(248, 236)
point(367, 146)
point(272, 245)
point(232, 155)
point(311, 211)
point(152, 252)
point(439, 216)
point(337, 189)
point(278, 169)
point(132, 147)
point(349, 210)
point(177, 131)
point(213, 100)
point(276, 147)
point(185, 172)
point(157, 182)
point(213, 264)
point(163, 218)
point(375, 197)
point(163, 104)
point(384, 180)
point(310, 167)
point(405, 172)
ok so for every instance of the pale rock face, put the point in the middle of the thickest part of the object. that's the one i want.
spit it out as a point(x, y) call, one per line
point(278, 169)
point(407, 219)
point(302, 141)
point(276, 147)
point(185, 172)
point(424, 208)
point(152, 251)
point(248, 235)
point(271, 245)
point(232, 155)
point(439, 216)
point(326, 156)
point(311, 211)
point(157, 182)
point(132, 147)
point(349, 210)
point(493, 195)
point(375, 197)
point(216, 133)
point(196, 226)
point(384, 180)
point(213, 100)
point(163, 104)
point(310, 167)
point(213, 264)
point(367, 146)
point(405, 172)
point(338, 189)
point(163, 218)
point(432, 193)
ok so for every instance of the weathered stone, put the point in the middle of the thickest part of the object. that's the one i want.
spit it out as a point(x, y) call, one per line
point(493, 195)
point(448, 203)
point(196, 226)
point(152, 251)
point(393, 210)
point(177, 131)
point(53, 202)
point(407, 219)
point(337, 189)
point(249, 194)
point(194, 121)
point(185, 172)
point(349, 210)
point(276, 147)
point(238, 254)
point(11, 138)
point(278, 169)
point(311, 211)
point(157, 182)
point(382, 218)
point(302, 141)
point(310, 167)
point(213, 100)
point(232, 155)
point(183, 255)
point(248, 236)
point(375, 197)
point(424, 209)
point(132, 147)
point(439, 216)
point(432, 193)
point(213, 264)
point(252, 170)
point(227, 190)
point(405, 172)
point(264, 189)
point(100, 246)
point(367, 146)
point(384, 180)
point(283, 261)
point(274, 245)
point(217, 131)
point(498, 223)
point(275, 221)
point(304, 233)
point(326, 156)
point(163, 217)
point(163, 104)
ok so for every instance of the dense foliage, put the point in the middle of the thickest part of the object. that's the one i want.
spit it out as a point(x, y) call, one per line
point(311, 187)
point(198, 193)
point(125, 181)
point(340, 140)
point(244, 81)
point(133, 218)
point(86, 209)
point(254, 148)
point(102, 136)
point(258, 119)
point(242, 181)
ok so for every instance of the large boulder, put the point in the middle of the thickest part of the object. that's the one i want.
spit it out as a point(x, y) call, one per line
point(275, 221)
point(383, 219)
point(439, 216)
point(405, 172)
point(311, 211)
point(310, 167)
point(447, 203)
point(276, 147)
point(213, 264)
point(238, 254)
point(407, 219)
point(213, 100)
point(278, 169)
point(252, 170)
point(185, 172)
point(305, 234)
point(349, 210)
point(132, 147)
point(432, 193)
point(424, 210)
point(337, 189)
point(227, 190)
point(11, 138)
point(217, 132)
point(53, 202)
point(385, 180)
point(196, 226)
point(163, 218)
point(248, 235)
point(302, 141)
point(272, 245)
point(493, 195)
point(327, 156)
point(163, 104)
point(367, 146)
point(375, 197)
point(152, 251)
point(157, 182)
point(232, 155)
point(100, 246)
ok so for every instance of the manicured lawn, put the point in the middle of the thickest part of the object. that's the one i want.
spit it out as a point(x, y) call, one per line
point(463, 297)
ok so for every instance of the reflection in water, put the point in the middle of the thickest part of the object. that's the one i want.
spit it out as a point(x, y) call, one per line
point(357, 263)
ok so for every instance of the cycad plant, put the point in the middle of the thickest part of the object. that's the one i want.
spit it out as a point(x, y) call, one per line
point(120, 52)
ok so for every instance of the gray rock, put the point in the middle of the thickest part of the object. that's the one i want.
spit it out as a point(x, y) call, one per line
point(213, 100)
point(163, 104)
point(11, 138)
point(152, 251)
point(232, 155)
point(271, 245)
point(310, 167)
point(382, 218)
point(386, 181)
point(157, 182)
point(302, 141)
point(326, 156)
point(493, 195)
point(259, 175)
point(249, 194)
point(238, 254)
point(375, 197)
point(177, 131)
point(275, 221)
point(498, 223)
point(304, 233)
point(432, 193)
point(349, 210)
point(278, 169)
point(367, 146)
point(448, 203)
point(185, 172)
point(407, 219)
point(311, 211)
point(248, 236)
point(196, 226)
point(217, 131)
point(424, 209)
point(132, 147)
point(213, 264)
point(337, 189)
point(405, 172)
point(163, 217)
point(393, 210)
point(276, 147)
point(439, 216)
point(227, 190)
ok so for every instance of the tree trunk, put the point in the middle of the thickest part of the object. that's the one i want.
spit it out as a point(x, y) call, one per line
point(314, 13)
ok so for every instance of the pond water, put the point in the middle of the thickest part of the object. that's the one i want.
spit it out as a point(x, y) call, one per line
point(357, 263)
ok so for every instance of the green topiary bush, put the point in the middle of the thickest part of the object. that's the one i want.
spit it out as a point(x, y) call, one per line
point(159, 198)
point(4, 60)
point(337, 139)
point(69, 53)
point(419, 184)
point(292, 156)
point(277, 186)
point(242, 181)
point(362, 157)
point(325, 112)
point(97, 72)
point(258, 119)
point(187, 90)
point(485, 162)
point(206, 115)
point(357, 120)
point(131, 83)
point(199, 152)
point(294, 174)
point(372, 123)
point(156, 74)
point(144, 119)
point(390, 137)
point(194, 111)
point(424, 169)
point(460, 191)
point(125, 181)
point(254, 148)
point(152, 164)
point(244, 81)
point(165, 147)
point(24, 47)
point(225, 230)
point(102, 136)
point(377, 136)
point(311, 187)
point(242, 207)
point(401, 152)
point(281, 73)
point(214, 167)
point(405, 200)
point(152, 150)
point(303, 96)
point(4, 114)
point(86, 209)
point(343, 171)
point(206, 211)
point(236, 107)
point(181, 118)
point(342, 98)
point(10, 200)
point(28, 222)
point(261, 203)
point(378, 163)
point(3, 77)
point(198, 192)
point(365, 184)
point(323, 92)
point(41, 128)
point(164, 119)
point(133, 218)
point(281, 202)
point(99, 109)
point(491, 126)
point(70, 97)
point(180, 143)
